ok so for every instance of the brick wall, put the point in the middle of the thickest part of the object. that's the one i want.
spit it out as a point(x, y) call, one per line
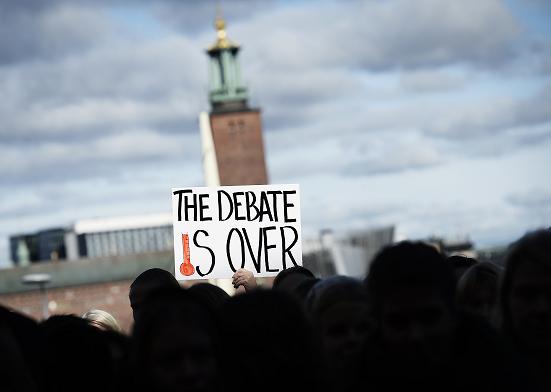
point(111, 297)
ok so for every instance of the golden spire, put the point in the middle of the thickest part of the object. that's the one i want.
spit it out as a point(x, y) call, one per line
point(222, 41)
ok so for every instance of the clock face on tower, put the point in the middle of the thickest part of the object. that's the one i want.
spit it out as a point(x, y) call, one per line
point(237, 127)
point(239, 147)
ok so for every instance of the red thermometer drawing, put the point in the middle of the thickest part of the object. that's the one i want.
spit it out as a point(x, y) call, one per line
point(186, 268)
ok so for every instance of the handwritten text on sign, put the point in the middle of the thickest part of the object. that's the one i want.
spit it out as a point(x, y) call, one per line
point(218, 230)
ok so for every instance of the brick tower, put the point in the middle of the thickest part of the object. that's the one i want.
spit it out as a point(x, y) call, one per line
point(231, 133)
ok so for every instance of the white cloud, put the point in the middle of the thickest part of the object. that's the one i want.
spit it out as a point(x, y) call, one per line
point(382, 35)
point(57, 29)
point(431, 80)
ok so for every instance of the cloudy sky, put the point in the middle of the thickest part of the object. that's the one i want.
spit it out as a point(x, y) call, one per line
point(429, 114)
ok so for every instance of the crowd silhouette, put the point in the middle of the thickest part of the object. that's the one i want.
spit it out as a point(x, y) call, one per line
point(417, 321)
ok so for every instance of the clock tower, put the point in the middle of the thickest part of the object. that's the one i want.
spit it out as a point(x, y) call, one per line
point(231, 133)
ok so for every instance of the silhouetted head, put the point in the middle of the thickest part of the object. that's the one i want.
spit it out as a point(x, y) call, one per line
point(80, 350)
point(268, 340)
point(526, 292)
point(477, 291)
point(175, 345)
point(147, 282)
point(209, 293)
point(303, 289)
point(289, 279)
point(338, 308)
point(22, 356)
point(460, 264)
point(411, 291)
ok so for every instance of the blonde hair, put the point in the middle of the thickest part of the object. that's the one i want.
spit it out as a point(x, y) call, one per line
point(102, 320)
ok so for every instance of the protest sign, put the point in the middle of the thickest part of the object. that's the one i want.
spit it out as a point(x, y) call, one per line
point(218, 230)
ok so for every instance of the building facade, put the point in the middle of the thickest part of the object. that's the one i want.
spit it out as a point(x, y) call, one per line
point(95, 238)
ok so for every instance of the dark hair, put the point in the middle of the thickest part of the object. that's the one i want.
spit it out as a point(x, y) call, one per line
point(479, 275)
point(409, 264)
point(298, 270)
point(334, 290)
point(80, 350)
point(153, 278)
point(534, 247)
point(460, 261)
point(148, 282)
point(269, 338)
point(213, 295)
point(22, 347)
point(304, 287)
point(167, 308)
point(481, 278)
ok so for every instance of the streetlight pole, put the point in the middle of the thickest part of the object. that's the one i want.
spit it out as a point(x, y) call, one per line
point(40, 280)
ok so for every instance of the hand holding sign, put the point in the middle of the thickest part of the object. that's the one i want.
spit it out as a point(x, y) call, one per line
point(254, 228)
point(244, 278)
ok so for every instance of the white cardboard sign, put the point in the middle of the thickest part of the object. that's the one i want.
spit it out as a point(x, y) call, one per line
point(218, 230)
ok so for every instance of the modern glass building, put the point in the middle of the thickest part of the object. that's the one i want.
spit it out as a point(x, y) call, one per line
point(95, 238)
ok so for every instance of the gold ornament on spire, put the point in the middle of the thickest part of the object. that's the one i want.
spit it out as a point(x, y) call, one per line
point(222, 40)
